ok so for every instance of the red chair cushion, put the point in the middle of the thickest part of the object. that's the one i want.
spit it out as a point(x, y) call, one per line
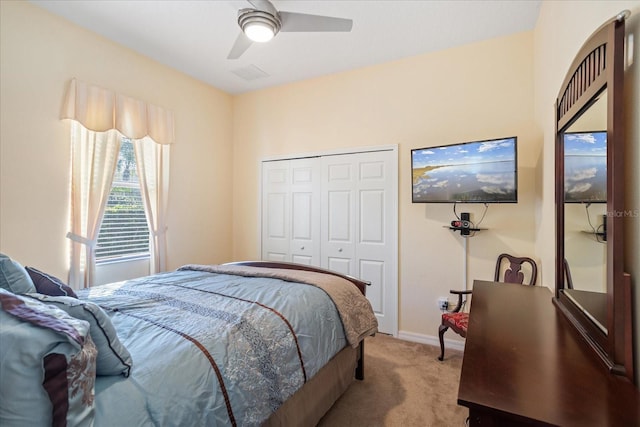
point(459, 321)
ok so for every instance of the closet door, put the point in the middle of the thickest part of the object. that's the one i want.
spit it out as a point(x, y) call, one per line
point(338, 217)
point(359, 225)
point(305, 211)
point(290, 211)
point(276, 199)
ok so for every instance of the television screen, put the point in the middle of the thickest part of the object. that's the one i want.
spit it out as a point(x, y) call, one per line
point(470, 172)
point(585, 167)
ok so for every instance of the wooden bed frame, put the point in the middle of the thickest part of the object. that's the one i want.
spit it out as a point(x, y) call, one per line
point(309, 404)
point(361, 284)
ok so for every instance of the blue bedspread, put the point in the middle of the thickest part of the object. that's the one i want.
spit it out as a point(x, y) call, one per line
point(212, 349)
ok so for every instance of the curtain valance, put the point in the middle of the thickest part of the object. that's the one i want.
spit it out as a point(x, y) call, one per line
point(100, 110)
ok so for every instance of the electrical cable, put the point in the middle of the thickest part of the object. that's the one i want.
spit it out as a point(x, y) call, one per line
point(474, 225)
point(595, 231)
point(486, 208)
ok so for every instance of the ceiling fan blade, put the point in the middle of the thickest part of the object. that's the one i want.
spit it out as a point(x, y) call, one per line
point(264, 5)
point(301, 22)
point(241, 44)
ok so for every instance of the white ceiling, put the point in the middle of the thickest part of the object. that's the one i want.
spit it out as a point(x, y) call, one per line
point(195, 36)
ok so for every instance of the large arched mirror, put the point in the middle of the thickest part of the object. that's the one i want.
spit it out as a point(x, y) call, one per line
point(592, 290)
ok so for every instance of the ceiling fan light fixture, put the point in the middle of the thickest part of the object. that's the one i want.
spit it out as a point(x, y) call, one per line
point(257, 25)
point(259, 32)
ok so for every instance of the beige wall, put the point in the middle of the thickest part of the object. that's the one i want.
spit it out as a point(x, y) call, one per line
point(479, 91)
point(561, 29)
point(39, 54)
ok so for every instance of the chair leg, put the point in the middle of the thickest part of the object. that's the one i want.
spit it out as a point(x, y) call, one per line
point(441, 330)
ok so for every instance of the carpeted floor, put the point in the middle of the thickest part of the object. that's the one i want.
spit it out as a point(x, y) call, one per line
point(405, 385)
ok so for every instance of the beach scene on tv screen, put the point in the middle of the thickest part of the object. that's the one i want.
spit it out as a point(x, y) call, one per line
point(483, 171)
point(585, 167)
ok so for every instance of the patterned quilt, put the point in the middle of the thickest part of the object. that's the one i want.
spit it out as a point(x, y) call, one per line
point(218, 349)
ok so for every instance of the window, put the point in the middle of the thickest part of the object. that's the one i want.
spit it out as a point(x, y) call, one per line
point(124, 232)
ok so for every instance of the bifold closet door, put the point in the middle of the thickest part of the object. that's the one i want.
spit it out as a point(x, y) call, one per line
point(359, 225)
point(291, 211)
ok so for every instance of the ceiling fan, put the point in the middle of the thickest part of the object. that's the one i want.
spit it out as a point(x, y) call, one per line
point(262, 22)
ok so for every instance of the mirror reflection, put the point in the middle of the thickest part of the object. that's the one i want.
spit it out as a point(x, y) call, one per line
point(585, 185)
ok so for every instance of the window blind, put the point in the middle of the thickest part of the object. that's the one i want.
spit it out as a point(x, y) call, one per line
point(124, 231)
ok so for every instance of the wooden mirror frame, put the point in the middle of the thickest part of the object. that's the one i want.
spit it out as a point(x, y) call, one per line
point(599, 66)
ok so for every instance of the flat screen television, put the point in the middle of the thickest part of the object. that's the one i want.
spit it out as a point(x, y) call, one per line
point(469, 172)
point(585, 167)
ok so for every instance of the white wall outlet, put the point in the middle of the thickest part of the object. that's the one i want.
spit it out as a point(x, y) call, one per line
point(443, 303)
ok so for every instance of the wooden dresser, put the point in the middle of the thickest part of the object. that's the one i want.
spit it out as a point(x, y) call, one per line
point(524, 364)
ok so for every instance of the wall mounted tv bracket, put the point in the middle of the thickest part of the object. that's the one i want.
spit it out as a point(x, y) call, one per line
point(463, 225)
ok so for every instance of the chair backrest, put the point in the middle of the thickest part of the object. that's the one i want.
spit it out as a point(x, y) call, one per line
point(567, 275)
point(513, 273)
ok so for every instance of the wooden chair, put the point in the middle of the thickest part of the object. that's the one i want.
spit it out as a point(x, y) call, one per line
point(458, 320)
point(567, 275)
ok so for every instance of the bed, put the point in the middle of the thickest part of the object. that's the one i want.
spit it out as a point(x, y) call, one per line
point(246, 344)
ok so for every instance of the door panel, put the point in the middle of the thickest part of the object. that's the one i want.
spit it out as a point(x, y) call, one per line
point(339, 215)
point(371, 217)
point(275, 256)
point(301, 219)
point(341, 265)
point(359, 225)
point(301, 259)
point(373, 272)
point(338, 219)
point(275, 212)
point(276, 207)
point(305, 211)
point(291, 211)
point(339, 172)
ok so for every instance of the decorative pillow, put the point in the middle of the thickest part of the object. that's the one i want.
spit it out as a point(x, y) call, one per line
point(13, 276)
point(48, 367)
point(113, 357)
point(49, 285)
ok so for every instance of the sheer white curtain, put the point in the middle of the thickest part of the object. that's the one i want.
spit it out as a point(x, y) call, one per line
point(100, 117)
point(93, 161)
point(153, 172)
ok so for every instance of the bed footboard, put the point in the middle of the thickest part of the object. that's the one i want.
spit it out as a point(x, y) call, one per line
point(360, 284)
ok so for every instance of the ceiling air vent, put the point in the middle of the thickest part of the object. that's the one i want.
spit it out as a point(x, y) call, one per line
point(250, 72)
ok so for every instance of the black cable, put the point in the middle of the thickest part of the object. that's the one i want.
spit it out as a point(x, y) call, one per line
point(595, 231)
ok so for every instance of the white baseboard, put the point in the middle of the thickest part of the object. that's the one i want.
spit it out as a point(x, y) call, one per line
point(431, 340)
